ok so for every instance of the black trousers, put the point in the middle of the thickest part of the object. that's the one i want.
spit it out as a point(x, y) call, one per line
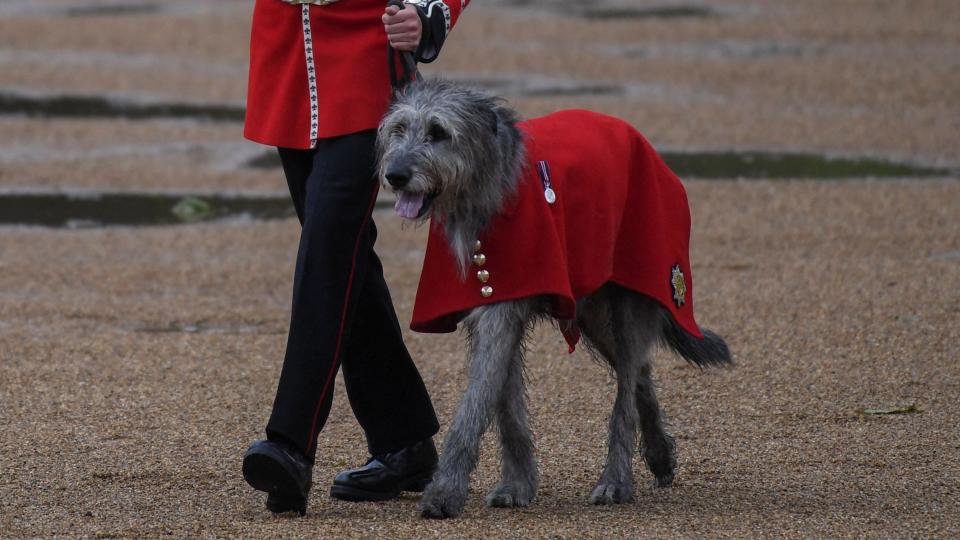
point(342, 311)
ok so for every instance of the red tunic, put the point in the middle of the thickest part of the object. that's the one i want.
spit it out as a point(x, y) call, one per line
point(620, 216)
point(320, 75)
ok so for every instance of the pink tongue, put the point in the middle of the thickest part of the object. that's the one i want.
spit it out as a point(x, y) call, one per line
point(408, 204)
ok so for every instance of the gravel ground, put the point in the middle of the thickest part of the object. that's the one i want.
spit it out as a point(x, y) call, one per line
point(136, 364)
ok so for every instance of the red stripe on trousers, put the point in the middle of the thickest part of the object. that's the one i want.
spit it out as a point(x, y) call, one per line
point(311, 441)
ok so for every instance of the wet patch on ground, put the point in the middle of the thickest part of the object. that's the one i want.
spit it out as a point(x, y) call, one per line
point(94, 10)
point(759, 165)
point(204, 327)
point(946, 256)
point(72, 8)
point(717, 50)
point(92, 106)
point(776, 165)
point(613, 13)
point(266, 160)
point(66, 106)
point(541, 87)
point(609, 10)
point(90, 210)
point(81, 210)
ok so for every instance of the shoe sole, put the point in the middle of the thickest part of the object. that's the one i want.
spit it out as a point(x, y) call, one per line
point(266, 473)
point(279, 505)
point(349, 493)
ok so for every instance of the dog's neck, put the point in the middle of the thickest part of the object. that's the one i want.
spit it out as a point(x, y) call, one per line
point(476, 205)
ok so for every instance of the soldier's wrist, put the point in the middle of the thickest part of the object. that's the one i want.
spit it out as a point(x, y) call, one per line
point(425, 33)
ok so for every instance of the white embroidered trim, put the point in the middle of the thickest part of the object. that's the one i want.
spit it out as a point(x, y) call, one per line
point(311, 77)
point(446, 14)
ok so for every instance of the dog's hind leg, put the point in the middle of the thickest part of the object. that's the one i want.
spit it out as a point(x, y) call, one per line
point(657, 446)
point(633, 340)
point(519, 478)
point(495, 335)
point(595, 320)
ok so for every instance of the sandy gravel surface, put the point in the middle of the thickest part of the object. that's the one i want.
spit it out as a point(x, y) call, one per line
point(136, 364)
point(139, 363)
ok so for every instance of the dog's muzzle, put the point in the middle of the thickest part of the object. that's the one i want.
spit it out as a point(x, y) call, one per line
point(410, 204)
point(398, 177)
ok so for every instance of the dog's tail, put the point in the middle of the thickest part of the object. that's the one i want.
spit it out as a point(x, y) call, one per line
point(710, 350)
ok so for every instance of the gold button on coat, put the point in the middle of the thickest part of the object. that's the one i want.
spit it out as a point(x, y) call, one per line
point(479, 259)
point(477, 246)
point(486, 291)
point(483, 276)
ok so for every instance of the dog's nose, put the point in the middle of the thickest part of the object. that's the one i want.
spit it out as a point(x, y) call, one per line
point(398, 177)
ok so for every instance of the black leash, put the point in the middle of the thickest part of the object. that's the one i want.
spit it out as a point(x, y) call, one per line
point(407, 61)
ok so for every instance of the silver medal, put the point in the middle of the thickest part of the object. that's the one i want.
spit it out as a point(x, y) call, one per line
point(549, 195)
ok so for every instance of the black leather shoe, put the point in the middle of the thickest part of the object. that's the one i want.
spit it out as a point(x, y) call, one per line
point(280, 470)
point(384, 477)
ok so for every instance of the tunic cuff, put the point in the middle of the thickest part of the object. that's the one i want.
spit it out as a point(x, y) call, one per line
point(435, 20)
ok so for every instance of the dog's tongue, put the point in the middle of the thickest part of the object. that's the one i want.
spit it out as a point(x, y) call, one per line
point(408, 204)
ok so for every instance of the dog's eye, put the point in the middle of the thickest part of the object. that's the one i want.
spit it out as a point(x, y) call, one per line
point(398, 129)
point(437, 133)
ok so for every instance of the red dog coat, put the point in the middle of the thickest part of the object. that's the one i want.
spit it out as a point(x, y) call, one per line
point(619, 215)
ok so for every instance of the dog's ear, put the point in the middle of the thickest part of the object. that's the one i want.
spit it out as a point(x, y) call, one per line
point(495, 120)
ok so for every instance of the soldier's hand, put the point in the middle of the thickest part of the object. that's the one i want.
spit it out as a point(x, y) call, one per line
point(403, 27)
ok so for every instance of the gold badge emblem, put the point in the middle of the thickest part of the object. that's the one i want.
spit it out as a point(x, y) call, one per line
point(679, 284)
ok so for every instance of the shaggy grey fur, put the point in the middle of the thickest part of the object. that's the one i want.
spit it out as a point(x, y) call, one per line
point(461, 150)
point(458, 145)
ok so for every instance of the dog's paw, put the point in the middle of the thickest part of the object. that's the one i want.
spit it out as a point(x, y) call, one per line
point(660, 455)
point(663, 480)
point(509, 496)
point(611, 493)
point(439, 503)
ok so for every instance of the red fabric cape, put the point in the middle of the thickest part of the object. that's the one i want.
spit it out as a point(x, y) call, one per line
point(350, 60)
point(620, 215)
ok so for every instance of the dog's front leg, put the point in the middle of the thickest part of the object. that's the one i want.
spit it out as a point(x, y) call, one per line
point(519, 477)
point(495, 334)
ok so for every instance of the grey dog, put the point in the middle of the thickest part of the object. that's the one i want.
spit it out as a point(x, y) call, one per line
point(456, 154)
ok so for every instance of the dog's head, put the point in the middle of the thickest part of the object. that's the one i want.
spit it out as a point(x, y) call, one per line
point(438, 142)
